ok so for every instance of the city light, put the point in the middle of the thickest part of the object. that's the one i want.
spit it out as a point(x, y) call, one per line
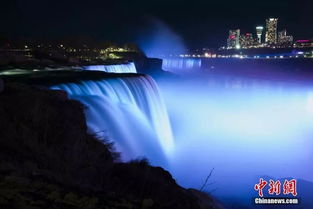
point(273, 38)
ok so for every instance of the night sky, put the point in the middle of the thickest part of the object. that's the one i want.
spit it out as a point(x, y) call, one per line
point(199, 23)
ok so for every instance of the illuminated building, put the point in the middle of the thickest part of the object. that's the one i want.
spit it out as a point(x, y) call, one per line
point(233, 40)
point(284, 39)
point(246, 40)
point(271, 31)
point(304, 43)
point(259, 32)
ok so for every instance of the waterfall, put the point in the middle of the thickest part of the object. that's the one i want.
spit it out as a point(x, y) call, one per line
point(122, 68)
point(181, 64)
point(128, 111)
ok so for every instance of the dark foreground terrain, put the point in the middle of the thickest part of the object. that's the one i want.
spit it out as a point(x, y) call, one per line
point(47, 160)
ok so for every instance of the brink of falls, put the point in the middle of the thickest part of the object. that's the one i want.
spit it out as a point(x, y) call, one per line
point(124, 68)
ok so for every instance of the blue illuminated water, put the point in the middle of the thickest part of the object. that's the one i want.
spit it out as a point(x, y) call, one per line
point(124, 68)
point(243, 127)
point(181, 64)
point(128, 111)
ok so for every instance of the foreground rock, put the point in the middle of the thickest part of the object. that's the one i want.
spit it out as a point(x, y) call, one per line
point(47, 160)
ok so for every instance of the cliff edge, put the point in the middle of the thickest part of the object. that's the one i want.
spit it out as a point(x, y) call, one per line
point(48, 160)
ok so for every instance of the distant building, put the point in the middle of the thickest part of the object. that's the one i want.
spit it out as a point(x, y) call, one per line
point(246, 40)
point(271, 31)
point(273, 38)
point(233, 40)
point(304, 43)
point(284, 39)
point(259, 33)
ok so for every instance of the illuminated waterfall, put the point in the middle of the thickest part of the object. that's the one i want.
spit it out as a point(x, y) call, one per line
point(181, 64)
point(129, 111)
point(122, 68)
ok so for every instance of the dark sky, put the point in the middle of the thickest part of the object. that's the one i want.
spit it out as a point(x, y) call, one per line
point(198, 22)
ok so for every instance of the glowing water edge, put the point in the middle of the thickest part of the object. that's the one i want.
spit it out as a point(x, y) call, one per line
point(245, 129)
point(187, 64)
point(122, 68)
point(128, 111)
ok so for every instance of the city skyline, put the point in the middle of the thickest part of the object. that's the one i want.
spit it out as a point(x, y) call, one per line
point(197, 23)
point(269, 35)
point(263, 35)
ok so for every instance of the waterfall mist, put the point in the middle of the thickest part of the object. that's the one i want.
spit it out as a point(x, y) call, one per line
point(244, 128)
point(160, 40)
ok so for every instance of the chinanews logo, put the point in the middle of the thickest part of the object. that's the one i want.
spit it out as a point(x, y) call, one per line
point(286, 191)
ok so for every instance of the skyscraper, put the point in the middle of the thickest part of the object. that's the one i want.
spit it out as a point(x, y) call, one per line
point(233, 40)
point(259, 32)
point(283, 38)
point(246, 40)
point(271, 31)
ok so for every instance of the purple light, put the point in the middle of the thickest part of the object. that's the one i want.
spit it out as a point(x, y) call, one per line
point(303, 41)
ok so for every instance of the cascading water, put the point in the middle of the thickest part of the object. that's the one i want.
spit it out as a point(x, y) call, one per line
point(180, 64)
point(128, 111)
point(124, 68)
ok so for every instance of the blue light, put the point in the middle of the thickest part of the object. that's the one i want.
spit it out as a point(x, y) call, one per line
point(129, 112)
point(123, 68)
point(244, 128)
